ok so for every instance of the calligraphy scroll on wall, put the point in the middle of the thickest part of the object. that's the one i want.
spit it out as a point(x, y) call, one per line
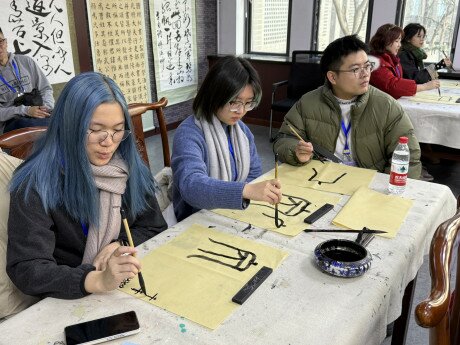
point(40, 29)
point(174, 49)
point(118, 45)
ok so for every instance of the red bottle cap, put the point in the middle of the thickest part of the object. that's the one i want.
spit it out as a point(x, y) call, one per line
point(403, 140)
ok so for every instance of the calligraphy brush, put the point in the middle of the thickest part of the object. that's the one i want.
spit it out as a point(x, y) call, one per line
point(131, 244)
point(451, 66)
point(277, 222)
point(366, 231)
point(301, 139)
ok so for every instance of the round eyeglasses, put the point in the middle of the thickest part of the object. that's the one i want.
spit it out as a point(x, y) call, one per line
point(236, 106)
point(359, 71)
point(100, 136)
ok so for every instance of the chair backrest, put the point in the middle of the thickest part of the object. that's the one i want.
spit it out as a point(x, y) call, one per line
point(305, 74)
point(136, 110)
point(441, 310)
point(19, 142)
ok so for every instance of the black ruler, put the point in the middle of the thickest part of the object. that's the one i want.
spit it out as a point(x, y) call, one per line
point(252, 285)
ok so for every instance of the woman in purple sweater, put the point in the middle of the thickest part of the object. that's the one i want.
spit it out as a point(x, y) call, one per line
point(214, 154)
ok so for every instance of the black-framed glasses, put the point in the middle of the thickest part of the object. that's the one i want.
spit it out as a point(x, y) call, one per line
point(2, 40)
point(237, 105)
point(100, 136)
point(359, 71)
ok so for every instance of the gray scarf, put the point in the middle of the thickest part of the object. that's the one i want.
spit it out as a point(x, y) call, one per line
point(219, 152)
point(110, 179)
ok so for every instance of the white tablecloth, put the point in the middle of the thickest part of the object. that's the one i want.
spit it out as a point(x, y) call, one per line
point(435, 123)
point(297, 304)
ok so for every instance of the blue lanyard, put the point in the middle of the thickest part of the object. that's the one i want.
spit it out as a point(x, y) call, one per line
point(230, 147)
point(18, 77)
point(85, 228)
point(346, 130)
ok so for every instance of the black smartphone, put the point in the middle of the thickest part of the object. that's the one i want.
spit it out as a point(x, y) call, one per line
point(104, 329)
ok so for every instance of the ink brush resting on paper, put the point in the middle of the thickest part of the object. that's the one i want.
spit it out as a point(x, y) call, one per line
point(277, 221)
point(366, 231)
point(131, 244)
point(300, 138)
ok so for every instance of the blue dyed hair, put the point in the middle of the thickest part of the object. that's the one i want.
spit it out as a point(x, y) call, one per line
point(59, 168)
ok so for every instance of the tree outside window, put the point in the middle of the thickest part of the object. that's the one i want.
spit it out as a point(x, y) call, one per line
point(438, 17)
point(338, 18)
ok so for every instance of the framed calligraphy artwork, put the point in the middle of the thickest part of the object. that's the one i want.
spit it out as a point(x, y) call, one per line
point(40, 29)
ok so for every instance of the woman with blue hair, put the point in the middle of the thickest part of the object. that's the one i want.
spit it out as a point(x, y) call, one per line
point(65, 222)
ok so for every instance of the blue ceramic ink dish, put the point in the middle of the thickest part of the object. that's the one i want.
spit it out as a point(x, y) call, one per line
point(342, 258)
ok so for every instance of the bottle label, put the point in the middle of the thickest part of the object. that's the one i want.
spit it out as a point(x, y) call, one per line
point(398, 175)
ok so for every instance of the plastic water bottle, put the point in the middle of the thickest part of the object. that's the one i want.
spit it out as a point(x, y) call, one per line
point(399, 167)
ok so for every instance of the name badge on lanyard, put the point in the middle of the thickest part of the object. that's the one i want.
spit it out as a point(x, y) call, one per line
point(18, 78)
point(347, 158)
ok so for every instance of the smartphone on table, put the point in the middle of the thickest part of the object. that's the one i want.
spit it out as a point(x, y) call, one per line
point(103, 329)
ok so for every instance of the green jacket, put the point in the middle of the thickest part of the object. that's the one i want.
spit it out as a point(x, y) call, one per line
point(377, 123)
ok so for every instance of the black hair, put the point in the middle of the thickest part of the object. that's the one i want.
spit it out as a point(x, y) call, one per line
point(413, 29)
point(224, 81)
point(339, 49)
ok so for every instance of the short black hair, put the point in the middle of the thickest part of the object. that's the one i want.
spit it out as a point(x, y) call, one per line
point(224, 81)
point(411, 30)
point(338, 49)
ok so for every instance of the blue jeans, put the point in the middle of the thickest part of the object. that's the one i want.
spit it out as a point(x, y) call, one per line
point(21, 122)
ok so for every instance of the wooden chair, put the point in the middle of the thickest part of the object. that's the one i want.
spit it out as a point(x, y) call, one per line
point(18, 143)
point(136, 110)
point(441, 310)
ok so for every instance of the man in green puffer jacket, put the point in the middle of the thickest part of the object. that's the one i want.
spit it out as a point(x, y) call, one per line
point(360, 124)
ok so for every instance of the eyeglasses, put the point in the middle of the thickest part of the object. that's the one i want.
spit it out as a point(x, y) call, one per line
point(100, 136)
point(236, 106)
point(423, 37)
point(2, 40)
point(359, 71)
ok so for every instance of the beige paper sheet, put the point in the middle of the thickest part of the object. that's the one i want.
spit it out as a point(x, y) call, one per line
point(435, 98)
point(368, 208)
point(453, 84)
point(296, 205)
point(345, 179)
point(197, 288)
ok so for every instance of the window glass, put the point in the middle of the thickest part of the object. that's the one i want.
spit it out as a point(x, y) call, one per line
point(338, 18)
point(438, 17)
point(269, 20)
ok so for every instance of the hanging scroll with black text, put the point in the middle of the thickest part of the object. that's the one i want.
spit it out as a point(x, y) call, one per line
point(118, 45)
point(40, 29)
point(174, 49)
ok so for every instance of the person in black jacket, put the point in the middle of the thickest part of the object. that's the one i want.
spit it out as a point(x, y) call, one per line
point(64, 223)
point(412, 55)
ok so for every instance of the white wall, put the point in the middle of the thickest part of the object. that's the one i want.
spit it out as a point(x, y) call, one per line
point(301, 28)
point(383, 12)
point(226, 27)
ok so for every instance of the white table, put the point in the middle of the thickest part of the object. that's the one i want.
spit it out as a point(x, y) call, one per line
point(435, 123)
point(297, 304)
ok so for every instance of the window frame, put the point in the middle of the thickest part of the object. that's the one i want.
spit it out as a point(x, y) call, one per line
point(315, 22)
point(400, 11)
point(248, 27)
